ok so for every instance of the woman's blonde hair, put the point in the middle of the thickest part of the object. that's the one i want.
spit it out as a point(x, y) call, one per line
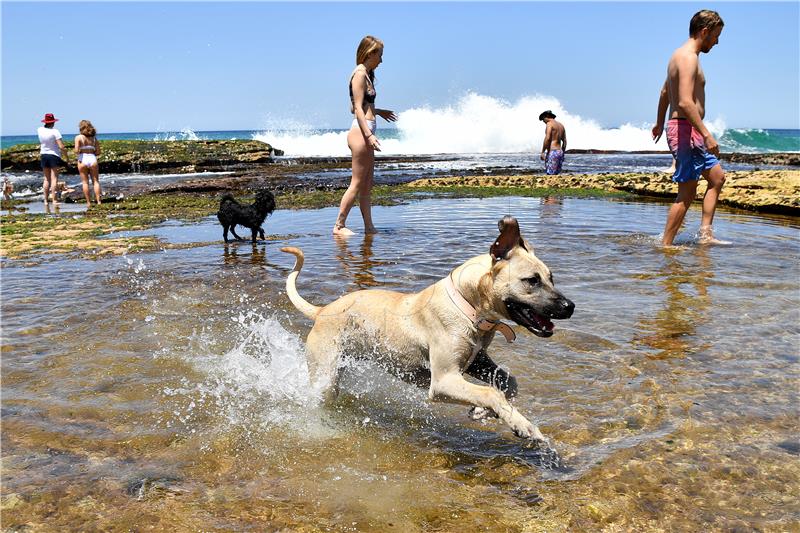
point(87, 129)
point(368, 45)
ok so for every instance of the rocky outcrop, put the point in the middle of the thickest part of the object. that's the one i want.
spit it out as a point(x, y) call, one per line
point(118, 156)
point(789, 159)
point(769, 191)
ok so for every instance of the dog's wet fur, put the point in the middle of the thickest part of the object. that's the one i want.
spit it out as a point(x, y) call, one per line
point(231, 213)
point(426, 334)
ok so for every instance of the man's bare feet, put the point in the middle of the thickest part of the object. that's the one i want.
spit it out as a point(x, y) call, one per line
point(371, 231)
point(706, 236)
point(342, 230)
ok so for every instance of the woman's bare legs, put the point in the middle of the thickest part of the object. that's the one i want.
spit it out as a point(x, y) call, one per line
point(365, 199)
point(83, 170)
point(363, 167)
point(46, 184)
point(49, 184)
point(96, 178)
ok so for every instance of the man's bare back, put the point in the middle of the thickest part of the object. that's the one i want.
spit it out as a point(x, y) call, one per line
point(556, 134)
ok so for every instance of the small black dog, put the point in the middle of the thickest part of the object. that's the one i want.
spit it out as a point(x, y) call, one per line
point(232, 213)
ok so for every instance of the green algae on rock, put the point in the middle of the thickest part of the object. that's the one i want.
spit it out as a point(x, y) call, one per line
point(122, 156)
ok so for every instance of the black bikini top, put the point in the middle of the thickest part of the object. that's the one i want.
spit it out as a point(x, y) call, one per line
point(369, 92)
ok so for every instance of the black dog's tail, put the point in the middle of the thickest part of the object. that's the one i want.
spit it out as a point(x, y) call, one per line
point(227, 197)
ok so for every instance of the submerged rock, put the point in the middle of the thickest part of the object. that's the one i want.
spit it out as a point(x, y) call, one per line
point(789, 159)
point(767, 191)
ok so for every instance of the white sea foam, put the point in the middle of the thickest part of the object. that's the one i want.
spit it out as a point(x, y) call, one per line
point(186, 134)
point(474, 124)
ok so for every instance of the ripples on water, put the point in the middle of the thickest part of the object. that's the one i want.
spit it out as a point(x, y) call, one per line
point(169, 389)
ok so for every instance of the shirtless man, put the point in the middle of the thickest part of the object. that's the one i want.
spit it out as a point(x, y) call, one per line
point(695, 150)
point(555, 143)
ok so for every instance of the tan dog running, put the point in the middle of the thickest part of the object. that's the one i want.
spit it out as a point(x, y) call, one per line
point(442, 332)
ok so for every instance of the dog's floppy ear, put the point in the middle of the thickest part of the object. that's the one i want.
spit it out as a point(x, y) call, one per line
point(509, 238)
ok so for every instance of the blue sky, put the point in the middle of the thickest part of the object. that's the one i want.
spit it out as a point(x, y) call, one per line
point(158, 66)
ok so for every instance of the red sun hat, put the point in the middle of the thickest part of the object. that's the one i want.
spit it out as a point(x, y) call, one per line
point(49, 118)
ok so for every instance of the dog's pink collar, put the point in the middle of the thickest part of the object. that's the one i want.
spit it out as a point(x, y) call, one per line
point(466, 308)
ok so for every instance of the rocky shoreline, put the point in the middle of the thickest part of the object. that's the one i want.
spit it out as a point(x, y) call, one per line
point(125, 156)
point(253, 165)
point(764, 191)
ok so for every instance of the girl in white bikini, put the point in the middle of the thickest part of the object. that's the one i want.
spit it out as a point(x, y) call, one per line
point(361, 138)
point(87, 149)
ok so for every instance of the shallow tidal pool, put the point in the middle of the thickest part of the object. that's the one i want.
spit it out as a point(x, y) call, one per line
point(168, 390)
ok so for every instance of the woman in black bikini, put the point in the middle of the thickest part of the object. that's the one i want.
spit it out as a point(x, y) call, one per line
point(361, 138)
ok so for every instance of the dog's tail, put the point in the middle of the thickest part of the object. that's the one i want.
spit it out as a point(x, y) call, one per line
point(227, 197)
point(303, 306)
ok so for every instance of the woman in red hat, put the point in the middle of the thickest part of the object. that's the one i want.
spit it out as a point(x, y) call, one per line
point(51, 148)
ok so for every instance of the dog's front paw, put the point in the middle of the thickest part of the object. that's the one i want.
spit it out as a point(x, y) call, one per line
point(525, 430)
point(481, 413)
point(537, 436)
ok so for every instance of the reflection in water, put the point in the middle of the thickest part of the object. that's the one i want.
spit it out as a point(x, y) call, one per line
point(551, 205)
point(232, 255)
point(359, 267)
point(52, 208)
point(672, 331)
point(550, 212)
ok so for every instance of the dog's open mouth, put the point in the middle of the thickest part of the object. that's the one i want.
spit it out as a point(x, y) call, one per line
point(525, 316)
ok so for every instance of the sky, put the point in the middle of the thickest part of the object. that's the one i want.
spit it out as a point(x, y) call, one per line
point(159, 66)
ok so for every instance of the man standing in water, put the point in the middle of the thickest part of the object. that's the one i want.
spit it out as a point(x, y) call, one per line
point(555, 143)
point(695, 150)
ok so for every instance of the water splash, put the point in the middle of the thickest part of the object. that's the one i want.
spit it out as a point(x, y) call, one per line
point(475, 123)
point(260, 383)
